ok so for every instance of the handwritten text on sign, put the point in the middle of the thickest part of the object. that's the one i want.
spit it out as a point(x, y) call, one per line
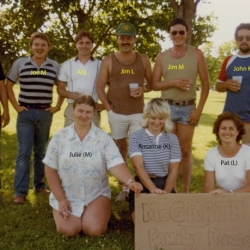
point(192, 222)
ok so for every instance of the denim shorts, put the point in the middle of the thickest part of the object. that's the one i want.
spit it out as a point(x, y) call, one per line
point(181, 114)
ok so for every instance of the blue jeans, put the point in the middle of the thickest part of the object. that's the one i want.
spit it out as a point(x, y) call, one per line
point(33, 127)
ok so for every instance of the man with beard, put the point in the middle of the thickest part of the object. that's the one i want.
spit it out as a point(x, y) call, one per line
point(119, 69)
point(238, 91)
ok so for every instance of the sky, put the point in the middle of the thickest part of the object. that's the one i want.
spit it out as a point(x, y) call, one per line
point(230, 14)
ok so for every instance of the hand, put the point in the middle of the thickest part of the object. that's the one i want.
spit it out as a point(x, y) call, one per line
point(99, 107)
point(157, 191)
point(137, 92)
point(182, 83)
point(232, 85)
point(136, 187)
point(64, 208)
point(53, 110)
point(218, 191)
point(5, 118)
point(21, 108)
point(74, 95)
point(194, 117)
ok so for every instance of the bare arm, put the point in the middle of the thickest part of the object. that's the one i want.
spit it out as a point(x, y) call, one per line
point(203, 73)
point(56, 188)
point(228, 84)
point(137, 161)
point(5, 118)
point(181, 83)
point(209, 181)
point(103, 77)
point(12, 98)
point(64, 93)
point(121, 172)
point(148, 72)
point(172, 176)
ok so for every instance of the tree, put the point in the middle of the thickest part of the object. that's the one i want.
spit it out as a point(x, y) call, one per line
point(61, 20)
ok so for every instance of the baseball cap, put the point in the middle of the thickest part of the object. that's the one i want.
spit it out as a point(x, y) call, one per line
point(125, 29)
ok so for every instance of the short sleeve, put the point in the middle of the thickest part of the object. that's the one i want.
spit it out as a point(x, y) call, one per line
point(13, 74)
point(64, 73)
point(52, 153)
point(111, 152)
point(135, 144)
point(209, 164)
point(175, 150)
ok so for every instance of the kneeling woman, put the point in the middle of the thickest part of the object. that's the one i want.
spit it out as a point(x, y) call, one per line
point(228, 164)
point(154, 151)
point(77, 161)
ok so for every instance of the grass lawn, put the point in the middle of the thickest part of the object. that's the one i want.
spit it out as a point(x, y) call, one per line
point(31, 226)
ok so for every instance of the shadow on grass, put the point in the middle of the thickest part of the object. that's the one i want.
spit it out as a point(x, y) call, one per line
point(207, 120)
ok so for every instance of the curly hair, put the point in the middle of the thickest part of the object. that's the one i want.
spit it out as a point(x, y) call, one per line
point(232, 117)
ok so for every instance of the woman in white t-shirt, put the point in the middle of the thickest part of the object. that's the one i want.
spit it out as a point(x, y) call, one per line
point(76, 164)
point(228, 163)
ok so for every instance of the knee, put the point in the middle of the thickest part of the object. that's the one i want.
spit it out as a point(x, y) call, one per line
point(186, 152)
point(94, 230)
point(68, 231)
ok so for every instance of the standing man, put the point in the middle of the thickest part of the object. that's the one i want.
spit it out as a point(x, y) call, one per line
point(119, 69)
point(238, 94)
point(79, 75)
point(37, 75)
point(179, 67)
point(5, 117)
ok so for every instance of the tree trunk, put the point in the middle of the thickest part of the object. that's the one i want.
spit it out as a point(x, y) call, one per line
point(187, 10)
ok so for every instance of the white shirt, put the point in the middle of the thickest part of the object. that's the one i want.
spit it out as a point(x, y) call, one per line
point(80, 77)
point(230, 173)
point(82, 165)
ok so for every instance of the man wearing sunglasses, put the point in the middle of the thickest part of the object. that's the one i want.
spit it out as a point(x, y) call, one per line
point(234, 78)
point(179, 67)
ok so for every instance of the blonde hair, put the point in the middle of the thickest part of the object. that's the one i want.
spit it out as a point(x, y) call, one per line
point(157, 107)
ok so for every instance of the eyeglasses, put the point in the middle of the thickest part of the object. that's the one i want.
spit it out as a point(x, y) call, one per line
point(241, 38)
point(175, 32)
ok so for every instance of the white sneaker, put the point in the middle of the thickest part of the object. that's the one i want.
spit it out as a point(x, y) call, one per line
point(122, 196)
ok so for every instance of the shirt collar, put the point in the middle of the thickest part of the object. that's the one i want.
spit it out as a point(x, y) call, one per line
point(91, 134)
point(156, 137)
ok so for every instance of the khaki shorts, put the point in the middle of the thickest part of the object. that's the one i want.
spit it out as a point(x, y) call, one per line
point(121, 125)
point(69, 118)
point(246, 136)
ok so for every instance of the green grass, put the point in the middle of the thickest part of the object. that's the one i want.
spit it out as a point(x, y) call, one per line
point(31, 226)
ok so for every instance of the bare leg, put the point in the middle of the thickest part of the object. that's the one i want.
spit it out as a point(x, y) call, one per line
point(122, 144)
point(185, 135)
point(70, 226)
point(96, 217)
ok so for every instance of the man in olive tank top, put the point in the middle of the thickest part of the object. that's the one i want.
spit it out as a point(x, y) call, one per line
point(179, 67)
point(124, 106)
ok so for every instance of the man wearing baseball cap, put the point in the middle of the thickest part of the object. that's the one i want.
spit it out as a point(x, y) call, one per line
point(124, 106)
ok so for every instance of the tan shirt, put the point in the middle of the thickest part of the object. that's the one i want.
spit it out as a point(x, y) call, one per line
point(186, 67)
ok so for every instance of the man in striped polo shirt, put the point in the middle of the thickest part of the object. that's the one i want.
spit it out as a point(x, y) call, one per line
point(37, 75)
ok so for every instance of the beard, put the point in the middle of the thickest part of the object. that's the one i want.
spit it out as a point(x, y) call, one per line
point(244, 48)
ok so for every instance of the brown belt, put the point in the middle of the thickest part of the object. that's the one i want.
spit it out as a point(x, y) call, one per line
point(180, 103)
point(35, 106)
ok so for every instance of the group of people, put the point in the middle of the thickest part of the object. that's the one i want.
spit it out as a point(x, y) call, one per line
point(157, 136)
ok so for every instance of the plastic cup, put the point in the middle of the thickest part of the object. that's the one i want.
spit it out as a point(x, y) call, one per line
point(132, 87)
point(238, 79)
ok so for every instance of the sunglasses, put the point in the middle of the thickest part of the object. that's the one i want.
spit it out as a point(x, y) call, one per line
point(241, 38)
point(175, 32)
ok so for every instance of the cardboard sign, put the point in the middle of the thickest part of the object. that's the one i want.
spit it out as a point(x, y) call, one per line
point(192, 222)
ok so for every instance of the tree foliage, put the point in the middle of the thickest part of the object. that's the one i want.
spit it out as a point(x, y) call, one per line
point(61, 20)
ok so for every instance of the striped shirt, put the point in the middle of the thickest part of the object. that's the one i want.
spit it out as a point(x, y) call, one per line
point(36, 83)
point(157, 152)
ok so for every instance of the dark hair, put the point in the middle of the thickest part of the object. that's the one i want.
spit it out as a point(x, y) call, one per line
point(84, 99)
point(177, 20)
point(84, 33)
point(39, 35)
point(232, 117)
point(242, 26)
